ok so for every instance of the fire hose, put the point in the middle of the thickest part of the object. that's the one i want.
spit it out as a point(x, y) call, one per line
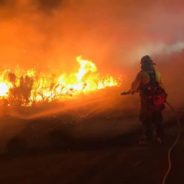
point(171, 148)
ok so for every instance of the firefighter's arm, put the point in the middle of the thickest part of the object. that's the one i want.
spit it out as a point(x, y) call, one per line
point(135, 85)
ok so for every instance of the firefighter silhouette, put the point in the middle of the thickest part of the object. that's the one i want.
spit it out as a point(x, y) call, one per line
point(153, 97)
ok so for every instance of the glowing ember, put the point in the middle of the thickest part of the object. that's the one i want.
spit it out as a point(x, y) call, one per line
point(28, 87)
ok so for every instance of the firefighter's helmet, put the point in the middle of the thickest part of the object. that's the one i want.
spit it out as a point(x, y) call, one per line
point(146, 60)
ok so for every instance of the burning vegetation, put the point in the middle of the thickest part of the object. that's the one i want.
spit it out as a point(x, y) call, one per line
point(25, 88)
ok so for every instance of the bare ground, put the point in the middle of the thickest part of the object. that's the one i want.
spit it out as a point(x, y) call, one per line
point(85, 147)
point(95, 160)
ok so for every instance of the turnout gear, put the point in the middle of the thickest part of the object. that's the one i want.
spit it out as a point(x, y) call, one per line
point(143, 78)
point(155, 94)
point(152, 96)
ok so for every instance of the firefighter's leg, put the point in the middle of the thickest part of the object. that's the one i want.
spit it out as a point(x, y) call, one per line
point(147, 126)
point(148, 129)
point(158, 121)
point(145, 118)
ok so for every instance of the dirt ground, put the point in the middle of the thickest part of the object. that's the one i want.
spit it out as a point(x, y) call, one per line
point(94, 148)
point(116, 159)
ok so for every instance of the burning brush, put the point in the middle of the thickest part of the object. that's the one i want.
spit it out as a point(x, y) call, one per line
point(24, 88)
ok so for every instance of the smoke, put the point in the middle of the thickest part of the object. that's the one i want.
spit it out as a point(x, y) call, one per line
point(47, 30)
point(49, 34)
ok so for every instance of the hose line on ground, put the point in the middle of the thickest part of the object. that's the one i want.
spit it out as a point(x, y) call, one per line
point(171, 148)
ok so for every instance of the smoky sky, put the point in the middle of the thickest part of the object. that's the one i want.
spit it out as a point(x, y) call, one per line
point(49, 5)
point(49, 34)
point(40, 4)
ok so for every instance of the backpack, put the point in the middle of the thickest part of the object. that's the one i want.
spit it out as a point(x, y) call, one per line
point(155, 95)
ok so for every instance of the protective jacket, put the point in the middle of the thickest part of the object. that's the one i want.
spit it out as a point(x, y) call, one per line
point(143, 78)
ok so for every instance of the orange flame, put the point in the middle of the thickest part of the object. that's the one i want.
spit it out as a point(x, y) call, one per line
point(28, 87)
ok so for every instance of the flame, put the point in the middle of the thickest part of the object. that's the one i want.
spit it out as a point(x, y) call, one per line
point(85, 67)
point(28, 87)
point(4, 89)
point(4, 86)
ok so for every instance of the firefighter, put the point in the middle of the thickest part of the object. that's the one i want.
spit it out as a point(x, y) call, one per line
point(150, 115)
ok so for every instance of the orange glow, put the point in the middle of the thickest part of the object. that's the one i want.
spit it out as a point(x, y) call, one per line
point(28, 87)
